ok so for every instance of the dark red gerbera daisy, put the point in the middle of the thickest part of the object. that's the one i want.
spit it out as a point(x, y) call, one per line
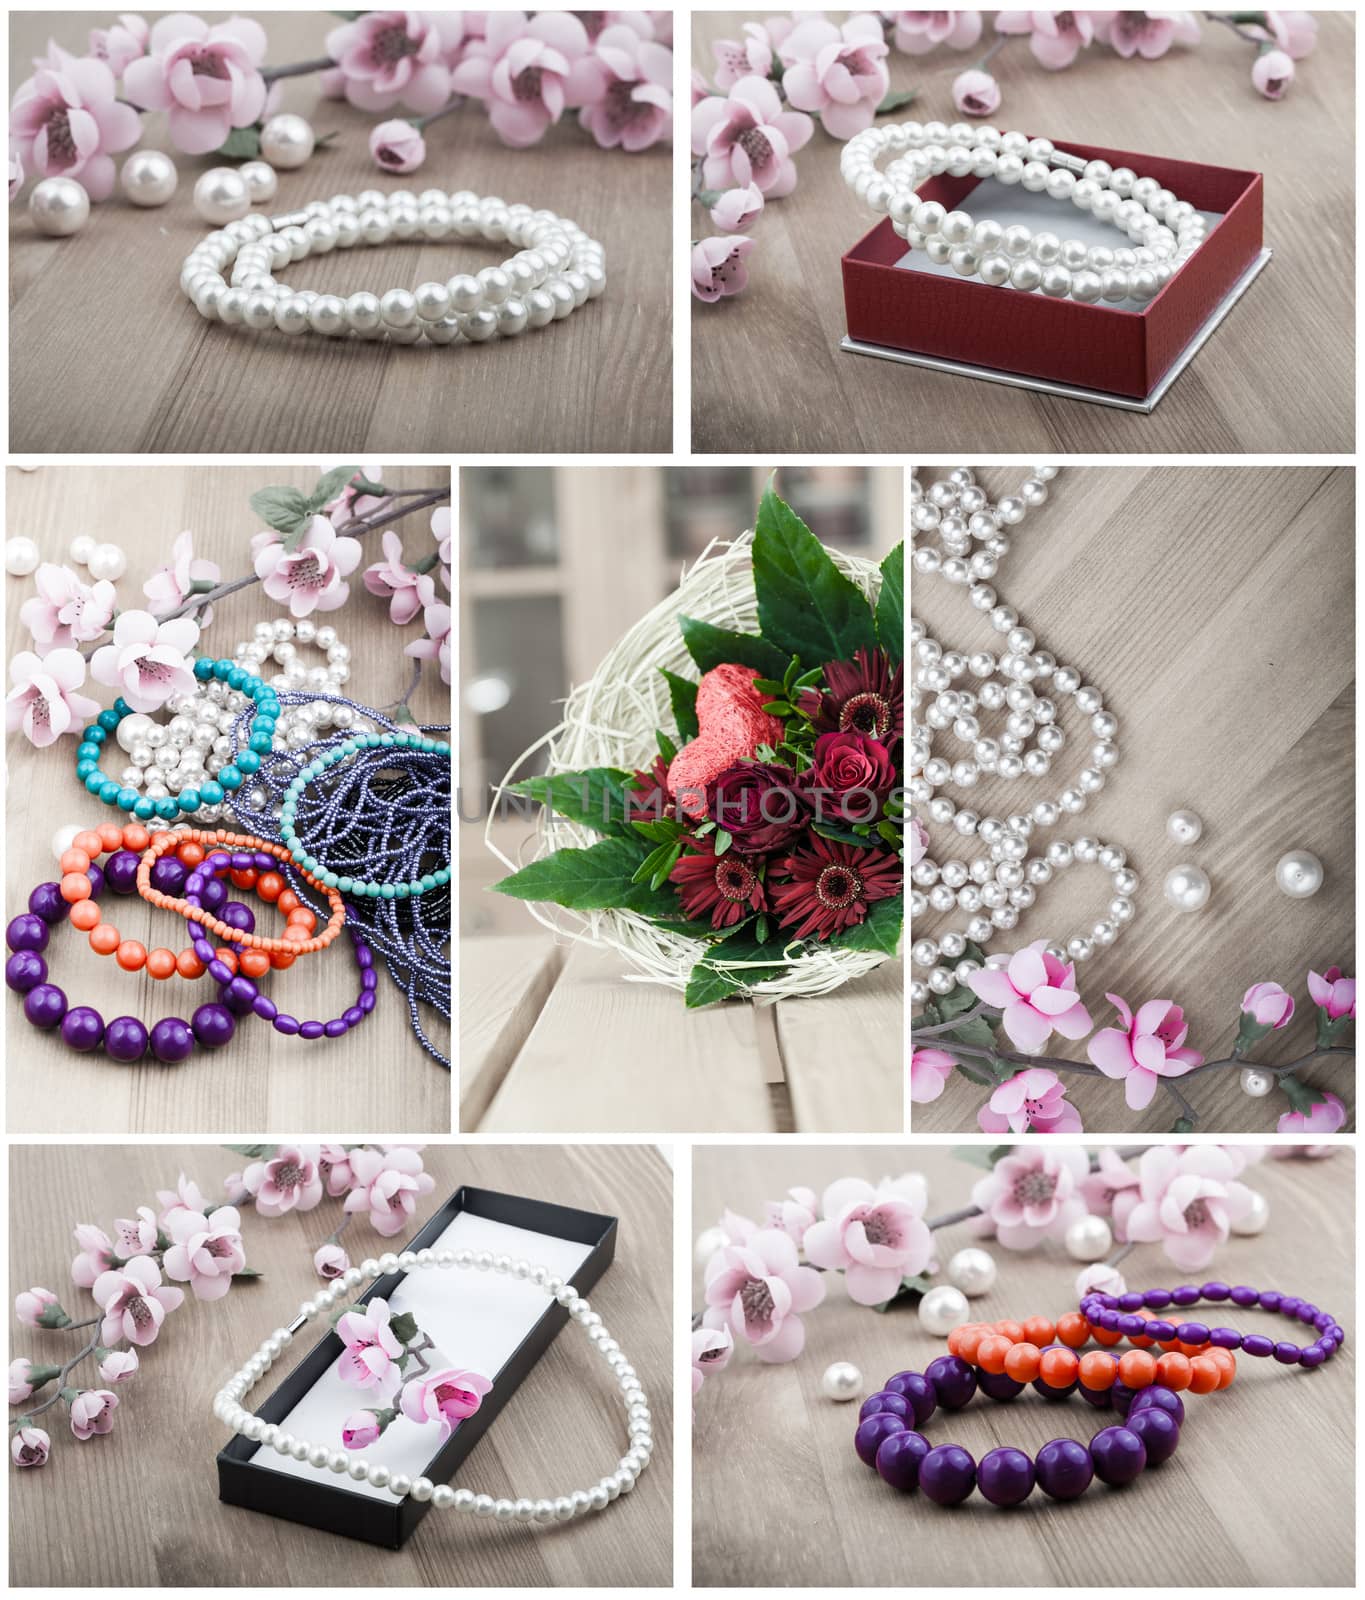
point(649, 800)
point(827, 886)
point(726, 888)
point(861, 696)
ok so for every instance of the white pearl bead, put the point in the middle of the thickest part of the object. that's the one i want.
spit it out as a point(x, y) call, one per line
point(1089, 1239)
point(21, 556)
point(973, 1271)
point(1256, 1083)
point(1256, 1218)
point(149, 178)
point(107, 561)
point(1299, 874)
point(1187, 888)
point(260, 179)
point(1183, 827)
point(287, 141)
point(64, 838)
point(942, 1309)
point(59, 207)
point(841, 1381)
point(80, 547)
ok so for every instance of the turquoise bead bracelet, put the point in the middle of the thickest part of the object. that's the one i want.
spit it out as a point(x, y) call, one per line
point(310, 863)
point(214, 791)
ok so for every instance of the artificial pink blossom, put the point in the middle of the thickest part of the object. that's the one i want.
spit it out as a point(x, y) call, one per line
point(837, 70)
point(1335, 994)
point(1150, 1045)
point(29, 1447)
point(627, 86)
point(206, 1251)
point(1112, 1190)
point(446, 1397)
point(737, 208)
point(1188, 1201)
point(148, 660)
point(1327, 1115)
point(119, 1365)
point(1100, 1278)
point(711, 1352)
point(759, 1290)
point(360, 1429)
point(700, 89)
point(19, 1386)
point(66, 612)
point(208, 79)
point(384, 57)
point(1032, 1101)
point(1032, 1194)
point(1294, 32)
point(444, 535)
point(877, 1240)
point(309, 577)
point(44, 701)
point(334, 1168)
point(136, 1236)
point(388, 1184)
point(1055, 37)
point(134, 1301)
point(748, 136)
point(92, 1412)
point(1149, 34)
point(436, 645)
point(330, 1261)
point(793, 1213)
point(356, 500)
point(397, 146)
point(287, 1181)
point(1035, 993)
point(740, 58)
point(372, 1346)
point(186, 1196)
point(407, 591)
point(919, 841)
point(66, 121)
point(120, 43)
point(1268, 1005)
point(96, 1254)
point(1272, 73)
point(929, 1072)
point(718, 269)
point(976, 93)
point(736, 1228)
point(31, 1304)
point(919, 32)
point(527, 71)
point(170, 586)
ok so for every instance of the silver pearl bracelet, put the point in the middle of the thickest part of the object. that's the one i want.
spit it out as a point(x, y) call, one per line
point(227, 1406)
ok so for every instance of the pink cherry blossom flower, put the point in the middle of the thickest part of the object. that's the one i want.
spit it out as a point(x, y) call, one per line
point(206, 1251)
point(67, 122)
point(134, 1301)
point(919, 841)
point(96, 1254)
point(19, 1386)
point(119, 1365)
point(1055, 37)
point(1150, 1045)
point(737, 208)
point(372, 1346)
point(397, 146)
point(1032, 1101)
point(44, 701)
point(207, 78)
point(741, 58)
point(16, 172)
point(330, 1261)
point(1146, 33)
point(31, 1305)
point(66, 612)
point(1268, 1005)
point(436, 645)
point(1295, 32)
point(837, 70)
point(877, 1240)
point(384, 57)
point(718, 269)
point(407, 591)
point(443, 533)
point(929, 1072)
point(627, 86)
point(700, 87)
point(170, 586)
point(147, 661)
point(919, 32)
point(360, 1429)
point(355, 501)
point(446, 1397)
point(1035, 993)
point(1335, 994)
point(1328, 1115)
point(1100, 1278)
point(389, 1184)
point(334, 1168)
point(1112, 1190)
point(1272, 73)
point(711, 1352)
point(120, 43)
point(527, 71)
point(759, 1291)
point(309, 577)
point(287, 1181)
point(29, 1447)
point(92, 1412)
point(736, 1228)
point(136, 1236)
point(794, 1213)
point(1032, 1194)
point(748, 136)
point(186, 1196)
point(1188, 1201)
point(976, 93)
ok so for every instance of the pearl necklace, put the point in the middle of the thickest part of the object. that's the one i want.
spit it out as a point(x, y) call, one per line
point(1164, 231)
point(228, 1409)
point(993, 890)
point(556, 269)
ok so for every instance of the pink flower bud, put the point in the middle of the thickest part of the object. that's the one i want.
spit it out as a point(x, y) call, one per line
point(1272, 74)
point(1268, 1004)
point(397, 146)
point(737, 208)
point(361, 1428)
point(29, 1447)
point(19, 1386)
point(330, 1261)
point(92, 1412)
point(976, 93)
point(30, 1305)
point(118, 1366)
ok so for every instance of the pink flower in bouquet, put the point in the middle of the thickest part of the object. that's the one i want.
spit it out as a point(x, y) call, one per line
point(1100, 1278)
point(1036, 995)
point(1268, 1005)
point(407, 590)
point(207, 78)
point(737, 208)
point(1335, 994)
point(1032, 1101)
point(119, 1366)
point(1032, 1194)
point(1188, 1201)
point(929, 1072)
point(29, 1447)
point(919, 32)
point(170, 586)
point(31, 1304)
point(389, 1184)
point(136, 1236)
point(794, 1213)
point(446, 1397)
point(1272, 73)
point(385, 57)
point(397, 146)
point(1328, 1115)
point(92, 1412)
point(16, 172)
point(134, 1301)
point(436, 645)
point(66, 612)
point(19, 1386)
point(44, 701)
point(1112, 1190)
point(919, 841)
point(1056, 38)
point(96, 1255)
point(148, 660)
point(1149, 34)
point(838, 71)
point(444, 535)
point(1294, 32)
point(718, 269)
point(206, 1251)
point(120, 43)
point(1150, 1045)
point(310, 577)
point(330, 1261)
point(626, 84)
point(748, 136)
point(741, 58)
point(355, 502)
point(66, 121)
point(976, 93)
point(877, 1239)
point(334, 1168)
point(360, 1429)
point(372, 1346)
point(711, 1352)
point(527, 71)
point(759, 1291)
point(287, 1181)
point(186, 1196)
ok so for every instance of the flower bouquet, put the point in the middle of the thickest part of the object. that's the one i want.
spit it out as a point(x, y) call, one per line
point(722, 802)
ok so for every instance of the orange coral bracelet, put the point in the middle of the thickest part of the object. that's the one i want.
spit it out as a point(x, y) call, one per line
point(1041, 1349)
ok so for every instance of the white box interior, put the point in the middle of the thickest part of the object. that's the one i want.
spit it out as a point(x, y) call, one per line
point(1010, 203)
point(477, 1320)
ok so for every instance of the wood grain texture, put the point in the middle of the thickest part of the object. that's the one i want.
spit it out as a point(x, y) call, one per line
point(1213, 607)
point(1260, 1494)
point(378, 1072)
point(155, 1481)
point(767, 373)
point(161, 378)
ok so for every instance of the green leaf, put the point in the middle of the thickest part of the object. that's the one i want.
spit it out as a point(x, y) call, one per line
point(242, 144)
point(664, 831)
point(403, 1327)
point(891, 605)
point(895, 101)
point(832, 830)
point(596, 797)
point(1331, 1029)
point(982, 1155)
point(664, 870)
point(598, 878)
point(1182, 1125)
point(806, 606)
point(1301, 1096)
point(989, 1074)
point(248, 1272)
point(723, 841)
point(714, 647)
point(330, 486)
point(667, 749)
point(253, 1152)
point(285, 510)
point(879, 930)
point(706, 985)
point(683, 694)
point(779, 708)
point(647, 869)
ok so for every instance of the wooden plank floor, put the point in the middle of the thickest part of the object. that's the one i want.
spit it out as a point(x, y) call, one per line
point(1213, 608)
point(1279, 376)
point(377, 1077)
point(559, 1040)
point(154, 1478)
point(1262, 1494)
point(161, 378)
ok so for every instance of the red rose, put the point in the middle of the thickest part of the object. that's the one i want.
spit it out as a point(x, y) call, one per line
point(759, 805)
point(850, 778)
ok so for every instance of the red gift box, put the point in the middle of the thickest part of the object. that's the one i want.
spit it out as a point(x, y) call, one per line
point(1094, 347)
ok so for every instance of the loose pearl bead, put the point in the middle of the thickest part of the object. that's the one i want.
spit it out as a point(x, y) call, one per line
point(260, 179)
point(1256, 1083)
point(1183, 827)
point(287, 141)
point(221, 195)
point(64, 838)
point(942, 1309)
point(21, 556)
point(1187, 888)
point(80, 547)
point(149, 178)
point(1255, 1219)
point(59, 207)
point(973, 1271)
point(841, 1381)
point(1299, 874)
point(1089, 1239)
point(107, 561)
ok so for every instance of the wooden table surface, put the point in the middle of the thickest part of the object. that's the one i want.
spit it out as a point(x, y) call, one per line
point(1260, 1495)
point(158, 377)
point(1279, 376)
point(154, 1479)
point(262, 1080)
point(1213, 608)
point(558, 1040)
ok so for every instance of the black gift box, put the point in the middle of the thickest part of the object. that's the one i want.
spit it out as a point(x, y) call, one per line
point(332, 1503)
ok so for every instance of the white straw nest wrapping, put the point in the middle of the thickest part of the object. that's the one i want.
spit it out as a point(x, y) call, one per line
point(611, 720)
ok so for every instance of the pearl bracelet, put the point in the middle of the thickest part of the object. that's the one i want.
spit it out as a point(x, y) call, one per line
point(228, 1409)
point(556, 269)
point(1164, 231)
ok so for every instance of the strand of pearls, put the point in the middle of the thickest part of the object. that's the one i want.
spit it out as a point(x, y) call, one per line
point(1163, 230)
point(227, 1406)
point(556, 269)
point(958, 535)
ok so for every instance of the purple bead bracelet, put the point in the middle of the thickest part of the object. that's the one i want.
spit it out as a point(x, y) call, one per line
point(1118, 1314)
